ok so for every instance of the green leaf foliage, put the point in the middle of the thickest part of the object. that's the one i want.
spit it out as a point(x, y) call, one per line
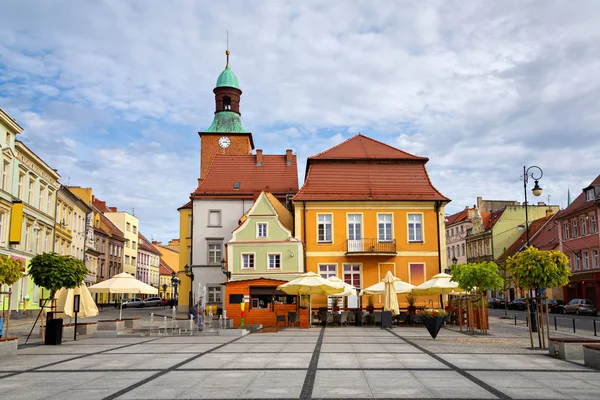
point(53, 271)
point(480, 276)
point(539, 269)
point(10, 270)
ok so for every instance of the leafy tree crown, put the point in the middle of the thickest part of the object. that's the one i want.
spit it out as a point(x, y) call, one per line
point(10, 270)
point(481, 276)
point(539, 269)
point(53, 271)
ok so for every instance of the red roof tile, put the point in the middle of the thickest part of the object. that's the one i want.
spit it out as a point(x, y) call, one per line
point(542, 235)
point(187, 205)
point(145, 244)
point(274, 175)
point(164, 268)
point(458, 217)
point(111, 228)
point(580, 203)
point(363, 147)
point(489, 219)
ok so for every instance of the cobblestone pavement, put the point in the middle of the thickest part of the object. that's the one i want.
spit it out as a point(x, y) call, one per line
point(316, 363)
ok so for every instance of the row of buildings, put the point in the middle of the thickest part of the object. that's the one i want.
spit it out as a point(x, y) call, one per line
point(365, 208)
point(38, 214)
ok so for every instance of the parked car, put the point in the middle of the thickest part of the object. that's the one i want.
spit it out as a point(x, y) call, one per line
point(580, 306)
point(496, 302)
point(152, 302)
point(133, 302)
point(518, 304)
point(555, 306)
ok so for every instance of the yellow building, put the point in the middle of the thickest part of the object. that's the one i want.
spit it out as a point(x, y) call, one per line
point(367, 208)
point(128, 224)
point(70, 231)
point(185, 253)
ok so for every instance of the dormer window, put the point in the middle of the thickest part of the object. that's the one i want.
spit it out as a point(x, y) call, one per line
point(589, 194)
point(226, 103)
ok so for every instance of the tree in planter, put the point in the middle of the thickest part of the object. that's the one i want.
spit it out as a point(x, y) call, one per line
point(54, 272)
point(534, 269)
point(11, 271)
point(479, 277)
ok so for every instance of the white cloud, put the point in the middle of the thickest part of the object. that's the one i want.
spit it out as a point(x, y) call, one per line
point(480, 88)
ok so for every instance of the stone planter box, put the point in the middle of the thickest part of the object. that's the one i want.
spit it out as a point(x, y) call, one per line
point(568, 348)
point(8, 347)
point(591, 355)
point(83, 328)
point(132, 323)
point(110, 325)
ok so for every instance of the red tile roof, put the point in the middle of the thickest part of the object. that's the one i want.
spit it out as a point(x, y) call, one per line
point(580, 203)
point(274, 175)
point(164, 268)
point(364, 169)
point(145, 244)
point(187, 205)
point(489, 219)
point(458, 217)
point(110, 228)
point(361, 147)
point(543, 235)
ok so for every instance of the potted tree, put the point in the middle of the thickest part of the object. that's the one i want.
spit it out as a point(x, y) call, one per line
point(433, 319)
point(335, 301)
point(370, 305)
point(412, 310)
point(538, 270)
point(54, 272)
point(11, 271)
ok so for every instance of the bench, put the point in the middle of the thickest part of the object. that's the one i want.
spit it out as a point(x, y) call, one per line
point(8, 347)
point(591, 355)
point(569, 348)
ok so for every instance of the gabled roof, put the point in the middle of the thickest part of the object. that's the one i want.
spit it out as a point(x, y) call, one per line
point(145, 244)
point(458, 217)
point(187, 205)
point(362, 168)
point(361, 147)
point(165, 269)
point(274, 175)
point(283, 214)
point(108, 227)
point(489, 219)
point(580, 203)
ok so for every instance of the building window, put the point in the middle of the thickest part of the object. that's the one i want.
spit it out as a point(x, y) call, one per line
point(128, 227)
point(589, 194)
point(595, 258)
point(416, 273)
point(42, 203)
point(214, 218)
point(566, 230)
point(134, 229)
point(575, 232)
point(30, 194)
point(274, 261)
point(214, 294)
point(384, 227)
point(248, 261)
point(453, 254)
point(463, 249)
point(586, 260)
point(324, 228)
point(214, 253)
point(327, 270)
point(126, 260)
point(133, 245)
point(2, 229)
point(583, 226)
point(5, 170)
point(261, 230)
point(415, 227)
point(21, 185)
point(352, 275)
point(354, 226)
point(7, 138)
point(593, 223)
point(577, 263)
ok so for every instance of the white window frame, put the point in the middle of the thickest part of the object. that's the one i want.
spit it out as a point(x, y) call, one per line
point(567, 231)
point(279, 255)
point(21, 193)
point(577, 263)
point(327, 273)
point(583, 226)
point(2, 243)
point(30, 191)
point(325, 223)
point(243, 264)
point(360, 273)
point(352, 231)
point(595, 259)
point(5, 174)
point(259, 226)
point(593, 226)
point(586, 259)
point(575, 229)
point(385, 238)
point(219, 220)
point(409, 223)
point(211, 253)
point(211, 292)
point(589, 194)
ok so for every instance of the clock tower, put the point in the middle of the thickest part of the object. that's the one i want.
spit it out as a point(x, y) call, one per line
point(225, 135)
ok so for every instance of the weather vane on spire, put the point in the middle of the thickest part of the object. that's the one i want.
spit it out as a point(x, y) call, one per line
point(227, 50)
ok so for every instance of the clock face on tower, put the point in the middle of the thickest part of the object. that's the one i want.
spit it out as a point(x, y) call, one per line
point(224, 142)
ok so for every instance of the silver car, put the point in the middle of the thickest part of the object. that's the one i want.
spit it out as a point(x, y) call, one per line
point(580, 306)
point(152, 302)
point(133, 302)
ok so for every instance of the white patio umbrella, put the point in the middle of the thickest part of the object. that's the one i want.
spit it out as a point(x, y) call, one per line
point(309, 284)
point(399, 285)
point(65, 299)
point(349, 290)
point(390, 297)
point(123, 283)
point(438, 284)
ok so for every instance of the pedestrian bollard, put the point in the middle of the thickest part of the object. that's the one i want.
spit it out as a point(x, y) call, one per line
point(573, 325)
point(191, 324)
point(555, 326)
point(515, 318)
point(151, 317)
point(595, 334)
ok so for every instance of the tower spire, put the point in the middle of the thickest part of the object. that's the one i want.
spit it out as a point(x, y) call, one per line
point(227, 51)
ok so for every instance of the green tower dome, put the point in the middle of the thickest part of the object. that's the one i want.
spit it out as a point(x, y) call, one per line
point(228, 79)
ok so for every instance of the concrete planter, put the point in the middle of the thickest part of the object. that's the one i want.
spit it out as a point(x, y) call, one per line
point(591, 355)
point(87, 328)
point(110, 325)
point(568, 348)
point(132, 323)
point(8, 347)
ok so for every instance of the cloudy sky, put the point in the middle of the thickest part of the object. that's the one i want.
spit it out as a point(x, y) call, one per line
point(113, 93)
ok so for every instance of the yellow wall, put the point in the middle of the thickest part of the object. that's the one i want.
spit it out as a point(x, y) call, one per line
point(373, 267)
point(184, 255)
point(121, 219)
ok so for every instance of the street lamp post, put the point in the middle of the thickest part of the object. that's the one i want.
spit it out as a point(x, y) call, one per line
point(174, 283)
point(190, 273)
point(224, 269)
point(534, 172)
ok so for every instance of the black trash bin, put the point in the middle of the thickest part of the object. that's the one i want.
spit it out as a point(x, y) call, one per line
point(54, 331)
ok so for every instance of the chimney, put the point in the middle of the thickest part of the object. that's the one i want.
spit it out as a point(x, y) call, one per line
point(259, 157)
point(112, 209)
point(288, 157)
point(541, 203)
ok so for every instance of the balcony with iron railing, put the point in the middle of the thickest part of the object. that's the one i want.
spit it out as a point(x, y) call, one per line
point(370, 247)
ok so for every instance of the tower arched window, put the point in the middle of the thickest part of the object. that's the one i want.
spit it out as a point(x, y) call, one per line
point(226, 103)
